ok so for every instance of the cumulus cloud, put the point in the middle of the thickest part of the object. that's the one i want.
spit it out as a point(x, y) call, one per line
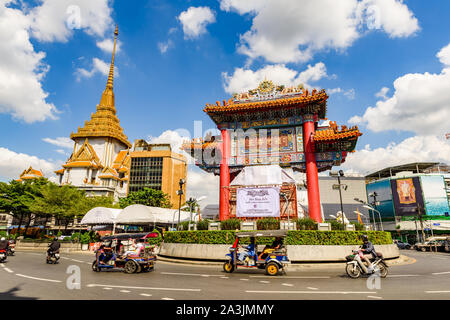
point(164, 46)
point(63, 142)
point(174, 137)
point(201, 183)
point(12, 164)
point(107, 45)
point(420, 103)
point(292, 31)
point(98, 66)
point(194, 21)
point(245, 79)
point(55, 20)
point(414, 149)
point(382, 93)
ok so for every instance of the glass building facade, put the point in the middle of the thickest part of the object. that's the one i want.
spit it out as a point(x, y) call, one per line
point(146, 172)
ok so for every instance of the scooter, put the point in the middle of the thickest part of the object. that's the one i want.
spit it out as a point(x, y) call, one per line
point(11, 248)
point(355, 266)
point(53, 257)
point(2, 255)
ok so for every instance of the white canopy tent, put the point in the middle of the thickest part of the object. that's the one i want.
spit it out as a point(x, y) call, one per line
point(138, 214)
point(100, 215)
point(263, 175)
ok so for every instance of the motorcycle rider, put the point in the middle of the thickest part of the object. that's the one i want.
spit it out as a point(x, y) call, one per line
point(249, 253)
point(4, 244)
point(366, 251)
point(53, 246)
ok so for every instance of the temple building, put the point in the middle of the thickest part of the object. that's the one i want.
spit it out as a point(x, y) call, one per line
point(30, 174)
point(100, 161)
point(273, 125)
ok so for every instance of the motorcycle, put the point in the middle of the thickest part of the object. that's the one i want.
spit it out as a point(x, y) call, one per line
point(53, 257)
point(2, 255)
point(355, 266)
point(11, 248)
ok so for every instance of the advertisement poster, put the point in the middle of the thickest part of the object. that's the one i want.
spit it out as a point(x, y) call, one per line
point(407, 196)
point(384, 197)
point(435, 196)
point(258, 202)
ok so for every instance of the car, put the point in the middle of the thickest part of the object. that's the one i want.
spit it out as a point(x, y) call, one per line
point(402, 245)
point(432, 244)
point(447, 244)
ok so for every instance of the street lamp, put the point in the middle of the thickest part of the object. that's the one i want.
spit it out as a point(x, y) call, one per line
point(339, 186)
point(379, 214)
point(180, 193)
point(193, 201)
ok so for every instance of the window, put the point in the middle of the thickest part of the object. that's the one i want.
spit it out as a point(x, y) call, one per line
point(146, 172)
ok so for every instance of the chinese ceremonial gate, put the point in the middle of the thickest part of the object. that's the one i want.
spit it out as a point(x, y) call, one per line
point(273, 125)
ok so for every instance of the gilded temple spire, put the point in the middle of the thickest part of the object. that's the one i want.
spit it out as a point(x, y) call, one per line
point(109, 83)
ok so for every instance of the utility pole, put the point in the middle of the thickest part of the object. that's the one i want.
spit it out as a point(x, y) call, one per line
point(419, 212)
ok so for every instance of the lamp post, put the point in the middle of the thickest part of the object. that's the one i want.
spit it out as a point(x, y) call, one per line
point(373, 214)
point(379, 214)
point(339, 186)
point(180, 193)
point(193, 201)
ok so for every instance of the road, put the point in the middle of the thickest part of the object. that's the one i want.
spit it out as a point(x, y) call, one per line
point(27, 276)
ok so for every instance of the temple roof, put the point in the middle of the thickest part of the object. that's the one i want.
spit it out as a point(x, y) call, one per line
point(104, 122)
point(269, 97)
point(333, 133)
point(30, 173)
point(85, 157)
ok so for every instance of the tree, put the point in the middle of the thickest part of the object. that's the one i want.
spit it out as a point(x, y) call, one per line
point(148, 197)
point(16, 198)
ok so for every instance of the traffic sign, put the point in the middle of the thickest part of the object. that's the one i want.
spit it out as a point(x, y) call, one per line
point(436, 224)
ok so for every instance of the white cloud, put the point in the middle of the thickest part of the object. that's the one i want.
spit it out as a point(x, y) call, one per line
point(21, 70)
point(350, 93)
point(194, 21)
point(107, 45)
point(245, 79)
point(63, 142)
point(98, 66)
point(292, 31)
point(55, 20)
point(12, 164)
point(382, 93)
point(420, 103)
point(201, 183)
point(414, 149)
point(164, 46)
point(174, 137)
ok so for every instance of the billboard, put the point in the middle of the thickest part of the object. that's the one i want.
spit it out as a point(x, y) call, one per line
point(384, 197)
point(258, 202)
point(435, 196)
point(407, 196)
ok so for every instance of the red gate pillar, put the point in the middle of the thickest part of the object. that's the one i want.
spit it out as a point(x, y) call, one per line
point(312, 176)
point(224, 200)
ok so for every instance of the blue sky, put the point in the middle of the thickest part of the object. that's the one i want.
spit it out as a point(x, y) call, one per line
point(160, 90)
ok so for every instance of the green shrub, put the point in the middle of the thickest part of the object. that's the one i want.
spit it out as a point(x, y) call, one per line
point(184, 225)
point(155, 241)
point(359, 226)
point(303, 237)
point(306, 224)
point(230, 224)
point(202, 224)
point(85, 238)
point(268, 224)
point(335, 225)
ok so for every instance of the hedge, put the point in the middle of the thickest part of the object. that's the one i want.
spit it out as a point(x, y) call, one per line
point(303, 237)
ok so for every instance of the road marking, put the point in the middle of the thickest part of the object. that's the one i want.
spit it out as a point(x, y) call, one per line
point(142, 288)
point(402, 275)
point(125, 291)
point(145, 295)
point(312, 277)
point(437, 291)
point(287, 284)
point(374, 297)
point(78, 261)
point(437, 273)
point(192, 274)
point(244, 279)
point(312, 288)
point(107, 288)
point(167, 299)
point(65, 258)
point(223, 277)
point(2, 265)
point(9, 270)
point(262, 281)
point(41, 279)
point(309, 292)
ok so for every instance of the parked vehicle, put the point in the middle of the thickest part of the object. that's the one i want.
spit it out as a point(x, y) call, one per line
point(355, 266)
point(447, 244)
point(431, 244)
point(110, 254)
point(2, 255)
point(53, 257)
point(272, 260)
point(402, 245)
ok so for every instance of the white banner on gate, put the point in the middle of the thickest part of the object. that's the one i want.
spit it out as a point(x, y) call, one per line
point(258, 202)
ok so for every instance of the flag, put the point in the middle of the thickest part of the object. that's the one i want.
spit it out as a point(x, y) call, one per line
point(359, 217)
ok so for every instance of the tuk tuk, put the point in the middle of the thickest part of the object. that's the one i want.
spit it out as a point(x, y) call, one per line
point(114, 254)
point(272, 258)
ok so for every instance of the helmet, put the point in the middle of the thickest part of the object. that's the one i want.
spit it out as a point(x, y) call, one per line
point(365, 237)
point(55, 239)
point(3, 239)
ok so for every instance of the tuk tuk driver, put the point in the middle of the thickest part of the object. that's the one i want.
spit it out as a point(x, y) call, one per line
point(250, 250)
point(138, 248)
point(276, 244)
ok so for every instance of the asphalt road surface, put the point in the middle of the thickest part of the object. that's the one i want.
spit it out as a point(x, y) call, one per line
point(27, 276)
